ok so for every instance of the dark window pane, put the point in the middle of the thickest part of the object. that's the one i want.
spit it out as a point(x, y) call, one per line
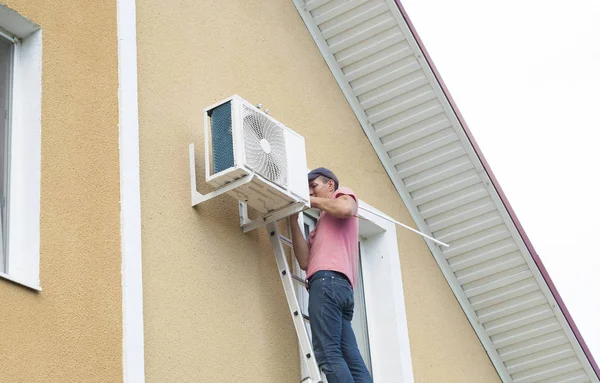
point(359, 322)
point(5, 83)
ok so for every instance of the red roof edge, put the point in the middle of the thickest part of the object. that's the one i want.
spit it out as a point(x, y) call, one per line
point(496, 185)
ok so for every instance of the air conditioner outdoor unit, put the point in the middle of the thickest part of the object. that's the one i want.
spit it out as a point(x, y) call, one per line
point(244, 143)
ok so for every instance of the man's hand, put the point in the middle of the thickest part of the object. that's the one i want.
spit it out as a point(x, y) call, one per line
point(301, 250)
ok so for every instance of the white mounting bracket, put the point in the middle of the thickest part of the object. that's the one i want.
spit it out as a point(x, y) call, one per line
point(248, 225)
point(198, 197)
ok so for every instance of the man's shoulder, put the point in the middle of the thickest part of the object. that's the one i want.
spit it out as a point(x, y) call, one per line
point(343, 190)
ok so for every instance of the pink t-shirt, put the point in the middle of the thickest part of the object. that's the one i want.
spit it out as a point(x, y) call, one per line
point(334, 243)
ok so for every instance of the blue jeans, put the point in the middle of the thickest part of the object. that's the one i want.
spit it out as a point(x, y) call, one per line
point(330, 308)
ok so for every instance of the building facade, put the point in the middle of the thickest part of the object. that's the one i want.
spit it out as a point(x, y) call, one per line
point(131, 283)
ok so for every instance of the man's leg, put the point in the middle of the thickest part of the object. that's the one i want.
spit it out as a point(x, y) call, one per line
point(351, 354)
point(350, 351)
point(326, 327)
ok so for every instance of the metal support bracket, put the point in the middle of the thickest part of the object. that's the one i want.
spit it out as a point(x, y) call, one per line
point(248, 225)
point(198, 197)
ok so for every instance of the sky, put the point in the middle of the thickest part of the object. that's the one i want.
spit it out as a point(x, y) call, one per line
point(525, 74)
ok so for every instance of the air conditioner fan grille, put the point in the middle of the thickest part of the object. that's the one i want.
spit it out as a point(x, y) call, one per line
point(264, 144)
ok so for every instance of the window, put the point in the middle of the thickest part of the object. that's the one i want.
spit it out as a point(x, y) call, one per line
point(360, 323)
point(20, 148)
point(379, 321)
point(6, 59)
point(385, 313)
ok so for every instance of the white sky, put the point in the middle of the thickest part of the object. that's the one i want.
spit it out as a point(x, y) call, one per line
point(526, 76)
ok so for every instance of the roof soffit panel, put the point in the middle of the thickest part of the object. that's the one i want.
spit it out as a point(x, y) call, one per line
point(418, 135)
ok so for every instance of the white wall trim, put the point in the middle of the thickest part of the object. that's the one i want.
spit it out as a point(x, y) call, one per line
point(131, 225)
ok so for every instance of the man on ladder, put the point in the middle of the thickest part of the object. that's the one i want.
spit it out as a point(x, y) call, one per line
point(330, 258)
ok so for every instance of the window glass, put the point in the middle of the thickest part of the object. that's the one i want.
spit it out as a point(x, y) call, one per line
point(359, 321)
point(5, 76)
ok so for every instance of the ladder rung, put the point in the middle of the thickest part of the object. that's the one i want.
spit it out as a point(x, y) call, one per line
point(286, 240)
point(304, 316)
point(298, 279)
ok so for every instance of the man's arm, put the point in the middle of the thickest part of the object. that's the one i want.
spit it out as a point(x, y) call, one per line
point(342, 207)
point(301, 250)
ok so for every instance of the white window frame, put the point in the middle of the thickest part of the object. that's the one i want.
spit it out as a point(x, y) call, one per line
point(384, 298)
point(22, 255)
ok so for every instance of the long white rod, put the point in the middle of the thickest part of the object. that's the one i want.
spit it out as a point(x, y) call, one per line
point(405, 226)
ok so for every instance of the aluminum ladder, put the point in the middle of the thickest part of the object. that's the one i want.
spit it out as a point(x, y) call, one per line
point(288, 278)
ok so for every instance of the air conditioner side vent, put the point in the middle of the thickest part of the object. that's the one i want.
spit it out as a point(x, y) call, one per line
point(222, 138)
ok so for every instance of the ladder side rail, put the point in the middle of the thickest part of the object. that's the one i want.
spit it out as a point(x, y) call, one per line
point(288, 286)
point(301, 291)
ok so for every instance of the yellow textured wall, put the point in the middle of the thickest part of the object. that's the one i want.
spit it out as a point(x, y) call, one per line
point(71, 331)
point(214, 308)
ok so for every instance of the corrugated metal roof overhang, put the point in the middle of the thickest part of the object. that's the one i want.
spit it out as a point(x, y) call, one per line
point(422, 141)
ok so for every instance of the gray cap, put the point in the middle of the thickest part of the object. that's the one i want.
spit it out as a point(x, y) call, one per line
point(323, 172)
